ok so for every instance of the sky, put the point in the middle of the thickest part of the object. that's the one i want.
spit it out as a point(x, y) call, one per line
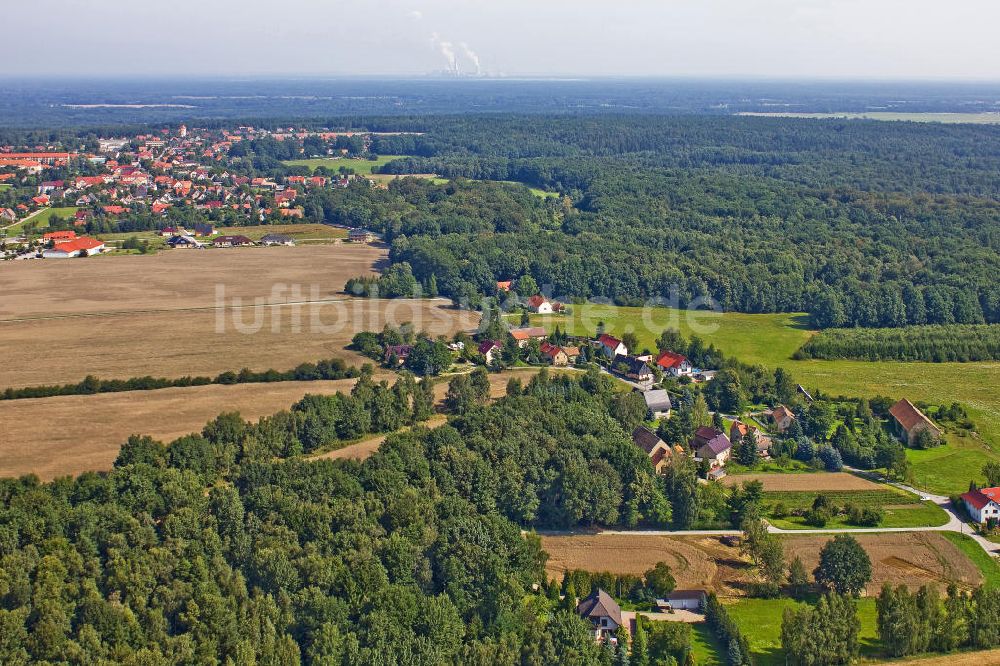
point(795, 39)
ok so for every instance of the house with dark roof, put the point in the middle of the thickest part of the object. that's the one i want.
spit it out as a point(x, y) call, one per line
point(908, 421)
point(654, 447)
point(692, 600)
point(711, 445)
point(231, 241)
point(603, 613)
point(632, 368)
point(398, 352)
point(183, 242)
point(982, 504)
point(277, 239)
point(488, 349)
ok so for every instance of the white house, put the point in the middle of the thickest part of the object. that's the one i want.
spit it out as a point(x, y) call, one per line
point(612, 346)
point(540, 304)
point(676, 364)
point(692, 600)
point(983, 504)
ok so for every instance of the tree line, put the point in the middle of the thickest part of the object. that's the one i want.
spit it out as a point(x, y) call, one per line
point(334, 368)
point(933, 344)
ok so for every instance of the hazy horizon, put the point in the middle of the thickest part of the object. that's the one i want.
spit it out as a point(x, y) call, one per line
point(786, 40)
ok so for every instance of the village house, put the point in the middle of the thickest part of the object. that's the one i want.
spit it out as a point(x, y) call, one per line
point(398, 352)
point(603, 613)
point(523, 335)
point(711, 445)
point(277, 239)
point(231, 241)
point(657, 403)
point(612, 346)
point(738, 430)
point(183, 242)
point(504, 286)
point(782, 418)
point(489, 349)
point(633, 369)
point(202, 230)
point(674, 364)
point(982, 504)
point(908, 421)
point(690, 600)
point(554, 353)
point(654, 447)
point(360, 236)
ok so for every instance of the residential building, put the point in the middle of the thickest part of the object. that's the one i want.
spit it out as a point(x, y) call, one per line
point(738, 430)
point(399, 352)
point(231, 241)
point(782, 418)
point(612, 346)
point(657, 403)
point(982, 504)
point(674, 364)
point(277, 239)
point(183, 242)
point(523, 335)
point(555, 354)
point(908, 421)
point(711, 445)
point(360, 236)
point(603, 613)
point(691, 600)
point(59, 236)
point(633, 369)
point(654, 447)
point(489, 349)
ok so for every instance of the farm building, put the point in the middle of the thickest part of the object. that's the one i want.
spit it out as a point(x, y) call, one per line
point(657, 403)
point(80, 247)
point(604, 614)
point(982, 504)
point(908, 422)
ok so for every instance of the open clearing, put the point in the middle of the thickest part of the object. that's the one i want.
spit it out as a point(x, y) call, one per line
point(771, 339)
point(956, 659)
point(68, 435)
point(912, 558)
point(817, 482)
point(359, 166)
point(302, 233)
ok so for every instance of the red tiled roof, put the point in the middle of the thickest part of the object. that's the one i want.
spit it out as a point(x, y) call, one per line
point(609, 341)
point(908, 415)
point(83, 243)
point(669, 360)
point(982, 497)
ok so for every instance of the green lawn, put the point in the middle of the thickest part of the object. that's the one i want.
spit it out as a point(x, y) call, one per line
point(705, 647)
point(901, 509)
point(771, 339)
point(360, 166)
point(979, 557)
point(41, 221)
point(760, 622)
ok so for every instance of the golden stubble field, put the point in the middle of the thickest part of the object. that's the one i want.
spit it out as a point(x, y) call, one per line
point(68, 435)
point(912, 558)
point(194, 313)
point(822, 481)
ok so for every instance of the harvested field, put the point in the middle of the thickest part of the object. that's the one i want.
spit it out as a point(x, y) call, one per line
point(179, 343)
point(180, 279)
point(695, 561)
point(54, 437)
point(956, 659)
point(912, 558)
point(815, 482)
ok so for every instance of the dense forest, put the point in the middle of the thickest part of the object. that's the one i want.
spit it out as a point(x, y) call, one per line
point(936, 344)
point(211, 550)
point(858, 223)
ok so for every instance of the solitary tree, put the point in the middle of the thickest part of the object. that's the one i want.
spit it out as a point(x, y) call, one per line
point(844, 566)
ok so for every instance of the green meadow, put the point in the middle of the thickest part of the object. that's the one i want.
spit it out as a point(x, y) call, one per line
point(771, 339)
point(41, 220)
point(360, 166)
